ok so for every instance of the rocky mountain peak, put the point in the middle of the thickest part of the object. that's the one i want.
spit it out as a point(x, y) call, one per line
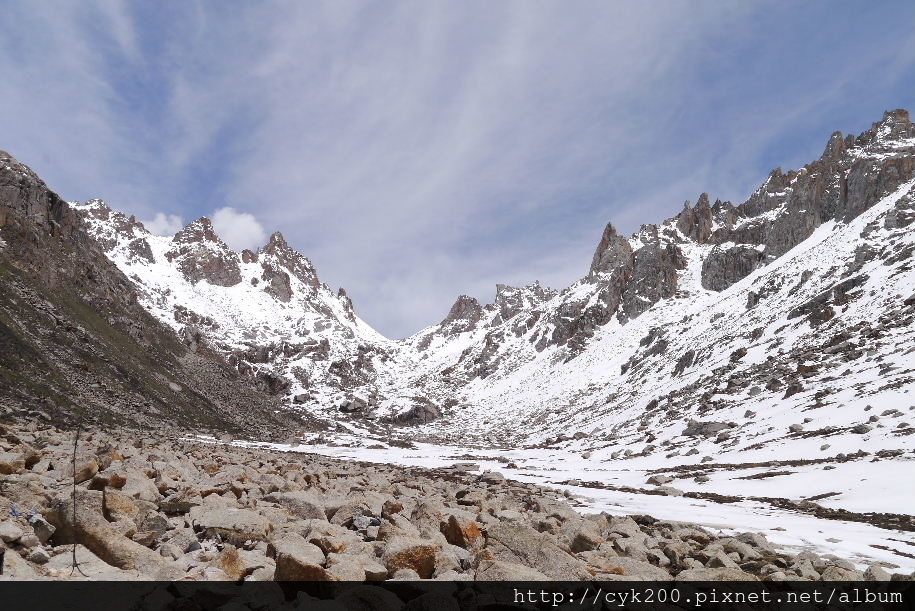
point(895, 125)
point(13, 167)
point(892, 131)
point(110, 228)
point(463, 315)
point(198, 231)
point(696, 223)
point(347, 304)
point(511, 300)
point(289, 259)
point(612, 251)
point(835, 147)
point(201, 255)
point(276, 243)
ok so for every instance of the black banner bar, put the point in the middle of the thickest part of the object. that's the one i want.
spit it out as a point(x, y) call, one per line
point(455, 596)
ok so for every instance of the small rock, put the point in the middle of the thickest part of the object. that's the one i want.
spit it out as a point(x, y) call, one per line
point(875, 572)
point(42, 528)
point(299, 560)
point(29, 541)
point(38, 555)
point(233, 525)
point(498, 570)
point(10, 532)
point(837, 573)
point(168, 550)
point(715, 574)
point(463, 532)
point(659, 480)
point(406, 575)
point(11, 462)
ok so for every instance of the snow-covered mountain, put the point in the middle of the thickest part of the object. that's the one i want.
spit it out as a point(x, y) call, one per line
point(680, 319)
point(749, 365)
point(789, 303)
point(266, 311)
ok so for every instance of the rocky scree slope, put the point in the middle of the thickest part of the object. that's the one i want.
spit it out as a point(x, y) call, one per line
point(75, 343)
point(165, 509)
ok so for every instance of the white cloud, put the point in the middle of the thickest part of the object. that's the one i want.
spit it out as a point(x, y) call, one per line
point(164, 224)
point(239, 230)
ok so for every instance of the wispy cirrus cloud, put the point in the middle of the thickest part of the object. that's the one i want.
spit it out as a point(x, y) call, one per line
point(418, 150)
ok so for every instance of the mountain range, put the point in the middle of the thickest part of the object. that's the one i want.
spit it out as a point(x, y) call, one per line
point(662, 317)
point(730, 352)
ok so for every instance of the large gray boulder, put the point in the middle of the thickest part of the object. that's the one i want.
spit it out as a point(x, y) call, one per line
point(232, 525)
point(521, 544)
point(303, 504)
point(88, 526)
point(298, 560)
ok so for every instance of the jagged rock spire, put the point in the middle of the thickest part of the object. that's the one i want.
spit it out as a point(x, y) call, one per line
point(696, 223)
point(463, 315)
point(200, 230)
point(290, 259)
point(202, 255)
point(612, 251)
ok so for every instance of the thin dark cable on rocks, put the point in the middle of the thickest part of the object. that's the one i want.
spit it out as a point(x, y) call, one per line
point(75, 564)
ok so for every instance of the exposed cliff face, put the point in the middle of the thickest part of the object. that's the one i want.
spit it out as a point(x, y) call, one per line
point(725, 266)
point(850, 177)
point(511, 301)
point(613, 252)
point(696, 223)
point(286, 258)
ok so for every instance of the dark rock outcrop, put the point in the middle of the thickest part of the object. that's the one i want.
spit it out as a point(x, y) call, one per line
point(290, 260)
point(726, 265)
point(202, 256)
point(512, 300)
point(613, 252)
point(696, 223)
point(851, 176)
point(463, 315)
point(654, 272)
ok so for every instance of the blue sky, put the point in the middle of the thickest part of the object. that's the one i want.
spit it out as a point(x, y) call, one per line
point(419, 150)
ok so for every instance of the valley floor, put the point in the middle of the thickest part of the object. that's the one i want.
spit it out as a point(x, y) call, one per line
point(864, 510)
